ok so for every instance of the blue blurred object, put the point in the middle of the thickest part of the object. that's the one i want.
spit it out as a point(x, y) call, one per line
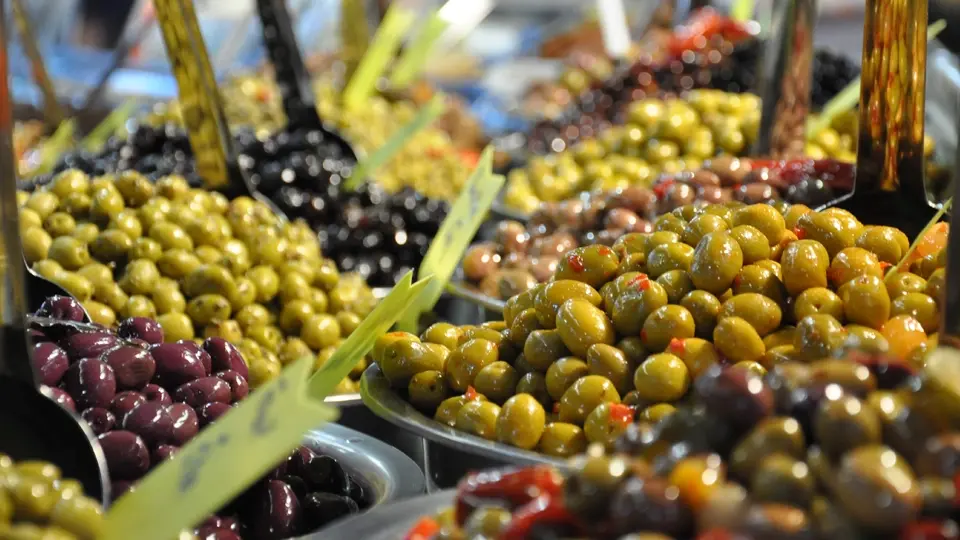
point(488, 109)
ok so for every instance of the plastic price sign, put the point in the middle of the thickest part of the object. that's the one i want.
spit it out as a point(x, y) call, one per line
point(377, 323)
point(455, 233)
point(380, 52)
point(613, 24)
point(742, 10)
point(427, 114)
point(222, 461)
point(56, 144)
point(199, 100)
point(415, 56)
point(848, 98)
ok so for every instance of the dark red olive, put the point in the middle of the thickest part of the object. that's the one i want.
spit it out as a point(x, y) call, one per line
point(151, 421)
point(162, 453)
point(939, 456)
point(210, 412)
point(202, 354)
point(296, 483)
point(63, 308)
point(239, 388)
point(321, 473)
point(90, 383)
point(176, 364)
point(650, 504)
point(101, 420)
point(225, 356)
point(37, 336)
point(143, 328)
point(126, 453)
point(89, 344)
point(889, 370)
point(209, 533)
point(276, 512)
point(50, 362)
point(133, 367)
point(202, 391)
point(230, 524)
point(125, 402)
point(737, 396)
point(157, 393)
point(185, 423)
point(62, 398)
point(321, 508)
point(121, 487)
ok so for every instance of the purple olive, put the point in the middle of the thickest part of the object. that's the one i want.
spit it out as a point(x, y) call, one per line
point(90, 383)
point(121, 487)
point(133, 367)
point(125, 402)
point(738, 396)
point(276, 511)
point(185, 423)
point(210, 533)
point(204, 355)
point(89, 344)
point(101, 420)
point(138, 343)
point(321, 473)
point(176, 364)
point(296, 483)
point(210, 412)
point(50, 361)
point(230, 523)
point(157, 393)
point(62, 398)
point(35, 335)
point(151, 421)
point(321, 508)
point(225, 356)
point(143, 328)
point(127, 455)
point(204, 390)
point(239, 388)
point(63, 308)
point(162, 453)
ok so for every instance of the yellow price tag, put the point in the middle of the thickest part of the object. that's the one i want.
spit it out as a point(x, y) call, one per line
point(56, 144)
point(377, 323)
point(848, 98)
point(385, 44)
point(455, 233)
point(741, 10)
point(222, 461)
point(415, 56)
point(430, 112)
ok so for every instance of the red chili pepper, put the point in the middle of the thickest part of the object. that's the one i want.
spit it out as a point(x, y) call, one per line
point(471, 393)
point(576, 262)
point(800, 232)
point(620, 413)
point(660, 189)
point(518, 487)
point(604, 250)
point(424, 529)
point(543, 509)
point(643, 335)
point(677, 346)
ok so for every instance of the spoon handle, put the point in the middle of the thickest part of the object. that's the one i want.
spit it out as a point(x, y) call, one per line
point(14, 357)
point(786, 74)
point(292, 77)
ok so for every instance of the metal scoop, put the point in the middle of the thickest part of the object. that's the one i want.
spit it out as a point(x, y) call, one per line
point(293, 79)
point(200, 103)
point(32, 425)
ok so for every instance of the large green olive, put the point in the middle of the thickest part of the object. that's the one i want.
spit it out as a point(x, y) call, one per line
point(716, 262)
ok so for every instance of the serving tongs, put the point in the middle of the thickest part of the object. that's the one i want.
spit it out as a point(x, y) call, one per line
point(293, 79)
point(32, 424)
point(201, 105)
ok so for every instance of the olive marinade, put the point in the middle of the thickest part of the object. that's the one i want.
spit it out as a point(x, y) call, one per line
point(624, 330)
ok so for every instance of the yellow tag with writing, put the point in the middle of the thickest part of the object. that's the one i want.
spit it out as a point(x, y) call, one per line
point(427, 114)
point(380, 52)
point(56, 144)
point(197, 90)
point(741, 10)
point(848, 98)
point(222, 461)
point(53, 113)
point(455, 233)
point(415, 56)
point(359, 343)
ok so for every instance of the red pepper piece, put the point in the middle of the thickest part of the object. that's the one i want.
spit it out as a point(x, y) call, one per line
point(424, 529)
point(677, 346)
point(543, 509)
point(518, 487)
point(576, 262)
point(471, 393)
point(620, 413)
point(800, 232)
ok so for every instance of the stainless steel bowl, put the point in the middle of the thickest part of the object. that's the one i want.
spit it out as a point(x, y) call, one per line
point(450, 453)
point(388, 522)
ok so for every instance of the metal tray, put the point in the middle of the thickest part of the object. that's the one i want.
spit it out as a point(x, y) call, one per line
point(389, 522)
point(450, 453)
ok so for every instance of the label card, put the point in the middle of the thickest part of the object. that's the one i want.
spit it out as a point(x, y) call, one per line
point(417, 52)
point(613, 24)
point(380, 53)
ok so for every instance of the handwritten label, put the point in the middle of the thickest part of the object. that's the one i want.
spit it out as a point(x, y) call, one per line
point(52, 111)
point(430, 112)
point(415, 56)
point(377, 323)
point(56, 144)
point(199, 102)
point(455, 233)
point(380, 52)
point(613, 25)
point(848, 98)
point(222, 461)
point(741, 10)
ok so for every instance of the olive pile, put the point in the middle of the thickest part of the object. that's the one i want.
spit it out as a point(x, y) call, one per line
point(519, 257)
point(144, 398)
point(304, 493)
point(37, 502)
point(201, 265)
point(866, 450)
point(662, 136)
point(632, 325)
